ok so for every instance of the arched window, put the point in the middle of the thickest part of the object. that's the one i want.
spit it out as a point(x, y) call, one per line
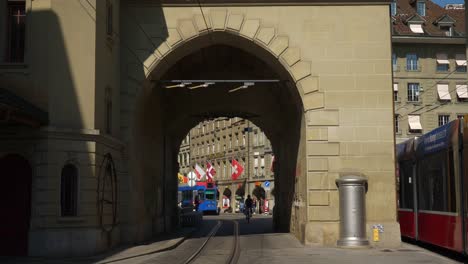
point(69, 190)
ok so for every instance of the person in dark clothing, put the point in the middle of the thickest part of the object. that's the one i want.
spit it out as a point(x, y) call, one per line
point(248, 204)
point(197, 202)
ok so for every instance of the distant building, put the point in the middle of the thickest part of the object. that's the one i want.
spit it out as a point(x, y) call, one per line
point(429, 66)
point(455, 6)
point(221, 140)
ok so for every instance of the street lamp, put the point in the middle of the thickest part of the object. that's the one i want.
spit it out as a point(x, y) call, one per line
point(247, 130)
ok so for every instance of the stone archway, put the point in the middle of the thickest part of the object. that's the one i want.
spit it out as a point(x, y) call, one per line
point(264, 47)
point(330, 124)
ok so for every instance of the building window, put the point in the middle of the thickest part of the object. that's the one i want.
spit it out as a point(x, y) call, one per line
point(443, 119)
point(421, 8)
point(394, 62)
point(109, 18)
point(442, 67)
point(411, 62)
point(397, 124)
point(448, 30)
point(442, 62)
point(461, 68)
point(395, 96)
point(16, 21)
point(413, 92)
point(461, 116)
point(460, 62)
point(393, 8)
point(243, 140)
point(69, 191)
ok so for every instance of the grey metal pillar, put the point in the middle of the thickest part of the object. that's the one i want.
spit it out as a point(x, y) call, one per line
point(352, 191)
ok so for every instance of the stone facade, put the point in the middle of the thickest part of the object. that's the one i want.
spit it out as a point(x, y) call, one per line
point(440, 69)
point(329, 114)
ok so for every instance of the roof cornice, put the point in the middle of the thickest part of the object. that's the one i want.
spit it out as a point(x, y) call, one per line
point(429, 40)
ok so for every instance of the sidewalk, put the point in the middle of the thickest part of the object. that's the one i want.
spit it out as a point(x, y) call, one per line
point(163, 243)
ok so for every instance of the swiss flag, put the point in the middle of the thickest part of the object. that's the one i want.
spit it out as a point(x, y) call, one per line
point(237, 169)
point(210, 171)
point(199, 172)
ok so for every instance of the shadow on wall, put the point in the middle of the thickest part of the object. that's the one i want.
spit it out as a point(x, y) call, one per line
point(147, 210)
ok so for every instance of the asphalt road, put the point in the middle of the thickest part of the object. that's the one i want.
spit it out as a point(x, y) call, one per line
point(216, 242)
point(260, 245)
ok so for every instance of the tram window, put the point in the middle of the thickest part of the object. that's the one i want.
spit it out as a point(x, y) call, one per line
point(406, 185)
point(209, 195)
point(437, 183)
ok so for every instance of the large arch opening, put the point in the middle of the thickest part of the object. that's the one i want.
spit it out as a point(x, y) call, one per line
point(165, 115)
point(215, 146)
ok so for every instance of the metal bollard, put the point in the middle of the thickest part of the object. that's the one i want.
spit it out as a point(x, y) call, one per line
point(352, 211)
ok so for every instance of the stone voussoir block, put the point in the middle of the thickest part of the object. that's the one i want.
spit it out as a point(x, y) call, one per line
point(187, 29)
point(218, 19)
point(300, 70)
point(309, 84)
point(202, 23)
point(235, 22)
point(313, 101)
point(174, 37)
point(279, 45)
point(291, 55)
point(265, 35)
point(250, 28)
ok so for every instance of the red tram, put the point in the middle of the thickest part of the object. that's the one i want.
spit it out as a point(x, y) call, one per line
point(433, 184)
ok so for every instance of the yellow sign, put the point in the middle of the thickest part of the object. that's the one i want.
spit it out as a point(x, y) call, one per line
point(180, 178)
point(375, 232)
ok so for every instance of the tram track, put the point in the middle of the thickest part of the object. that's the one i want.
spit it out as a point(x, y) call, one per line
point(234, 253)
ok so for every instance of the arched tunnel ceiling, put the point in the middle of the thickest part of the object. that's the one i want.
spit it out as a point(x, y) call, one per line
point(271, 105)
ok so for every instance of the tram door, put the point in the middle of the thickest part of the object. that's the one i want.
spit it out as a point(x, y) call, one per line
point(15, 205)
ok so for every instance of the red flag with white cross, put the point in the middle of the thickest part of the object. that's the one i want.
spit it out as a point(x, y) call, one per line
point(210, 171)
point(237, 169)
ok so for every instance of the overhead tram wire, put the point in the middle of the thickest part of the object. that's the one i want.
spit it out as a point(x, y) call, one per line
point(435, 85)
point(115, 33)
point(404, 117)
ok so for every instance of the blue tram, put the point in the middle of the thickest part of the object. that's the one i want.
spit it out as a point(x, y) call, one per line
point(205, 195)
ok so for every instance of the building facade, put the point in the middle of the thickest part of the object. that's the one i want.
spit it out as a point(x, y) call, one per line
point(221, 140)
point(429, 66)
point(93, 111)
